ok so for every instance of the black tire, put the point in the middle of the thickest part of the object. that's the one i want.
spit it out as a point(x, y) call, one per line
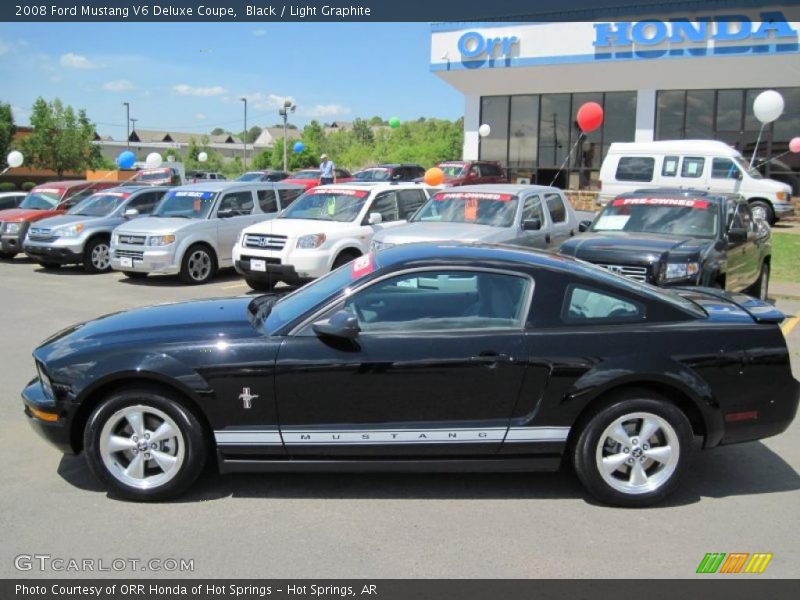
point(50, 266)
point(760, 288)
point(766, 207)
point(191, 446)
point(344, 257)
point(261, 285)
point(593, 446)
point(195, 269)
point(8, 255)
point(134, 274)
point(97, 256)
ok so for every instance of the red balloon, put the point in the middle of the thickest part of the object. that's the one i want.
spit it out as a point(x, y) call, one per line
point(590, 116)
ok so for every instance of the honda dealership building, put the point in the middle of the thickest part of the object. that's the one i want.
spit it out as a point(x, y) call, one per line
point(693, 76)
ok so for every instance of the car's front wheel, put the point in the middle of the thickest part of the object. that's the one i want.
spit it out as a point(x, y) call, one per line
point(144, 444)
point(97, 257)
point(198, 265)
point(633, 451)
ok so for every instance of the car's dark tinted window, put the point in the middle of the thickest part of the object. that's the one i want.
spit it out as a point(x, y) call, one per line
point(692, 166)
point(489, 170)
point(724, 168)
point(341, 173)
point(386, 204)
point(410, 201)
point(267, 201)
point(555, 205)
point(584, 304)
point(532, 209)
point(635, 168)
point(240, 203)
point(288, 196)
point(146, 202)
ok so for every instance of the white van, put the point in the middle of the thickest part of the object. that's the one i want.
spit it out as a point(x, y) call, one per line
point(701, 164)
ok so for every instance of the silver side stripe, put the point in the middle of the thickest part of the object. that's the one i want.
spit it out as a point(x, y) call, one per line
point(391, 436)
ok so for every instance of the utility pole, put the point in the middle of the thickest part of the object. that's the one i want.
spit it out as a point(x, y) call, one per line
point(127, 106)
point(244, 137)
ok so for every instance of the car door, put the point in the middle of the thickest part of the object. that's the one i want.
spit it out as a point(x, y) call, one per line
point(738, 251)
point(435, 369)
point(386, 204)
point(234, 212)
point(560, 228)
point(532, 238)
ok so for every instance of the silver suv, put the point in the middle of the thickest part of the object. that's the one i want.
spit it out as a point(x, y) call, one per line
point(83, 235)
point(194, 228)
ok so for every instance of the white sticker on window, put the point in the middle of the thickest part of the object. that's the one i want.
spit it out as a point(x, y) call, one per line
point(612, 222)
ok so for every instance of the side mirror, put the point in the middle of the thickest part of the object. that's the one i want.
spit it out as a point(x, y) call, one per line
point(130, 213)
point(225, 214)
point(583, 226)
point(534, 224)
point(375, 218)
point(738, 174)
point(737, 235)
point(342, 324)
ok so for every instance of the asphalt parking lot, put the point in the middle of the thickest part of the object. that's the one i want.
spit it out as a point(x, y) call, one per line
point(736, 499)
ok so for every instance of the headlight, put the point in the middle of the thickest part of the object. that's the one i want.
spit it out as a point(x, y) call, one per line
point(160, 240)
point(680, 271)
point(782, 196)
point(12, 227)
point(71, 231)
point(311, 241)
point(376, 245)
point(47, 385)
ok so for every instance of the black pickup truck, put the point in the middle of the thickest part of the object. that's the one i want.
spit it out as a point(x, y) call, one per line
point(679, 237)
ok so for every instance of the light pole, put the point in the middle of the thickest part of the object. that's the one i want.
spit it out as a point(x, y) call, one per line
point(127, 106)
point(288, 106)
point(133, 126)
point(244, 138)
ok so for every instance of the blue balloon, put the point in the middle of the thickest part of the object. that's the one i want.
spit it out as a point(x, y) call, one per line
point(299, 147)
point(126, 159)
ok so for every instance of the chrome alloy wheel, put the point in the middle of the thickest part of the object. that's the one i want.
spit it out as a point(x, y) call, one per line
point(638, 453)
point(101, 257)
point(199, 265)
point(759, 212)
point(142, 447)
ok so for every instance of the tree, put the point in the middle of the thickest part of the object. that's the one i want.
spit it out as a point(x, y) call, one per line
point(363, 133)
point(61, 140)
point(377, 121)
point(217, 131)
point(252, 134)
point(7, 130)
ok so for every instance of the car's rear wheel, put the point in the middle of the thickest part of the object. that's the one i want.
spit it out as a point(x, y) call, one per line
point(261, 285)
point(760, 289)
point(144, 445)
point(198, 265)
point(97, 256)
point(134, 274)
point(761, 209)
point(633, 451)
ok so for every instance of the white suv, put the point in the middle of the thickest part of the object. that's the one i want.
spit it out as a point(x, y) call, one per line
point(326, 227)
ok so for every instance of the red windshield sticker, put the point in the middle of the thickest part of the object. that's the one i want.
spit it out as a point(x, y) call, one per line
point(686, 203)
point(472, 196)
point(363, 265)
point(197, 206)
point(330, 192)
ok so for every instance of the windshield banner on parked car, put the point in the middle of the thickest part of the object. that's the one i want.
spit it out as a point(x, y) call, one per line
point(334, 192)
point(472, 195)
point(660, 202)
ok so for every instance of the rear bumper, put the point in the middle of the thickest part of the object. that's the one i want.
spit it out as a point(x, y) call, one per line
point(55, 432)
point(774, 415)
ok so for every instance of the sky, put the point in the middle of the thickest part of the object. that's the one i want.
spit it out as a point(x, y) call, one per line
point(191, 76)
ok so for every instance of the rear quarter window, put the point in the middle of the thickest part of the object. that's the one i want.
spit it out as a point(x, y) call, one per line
point(635, 168)
point(583, 304)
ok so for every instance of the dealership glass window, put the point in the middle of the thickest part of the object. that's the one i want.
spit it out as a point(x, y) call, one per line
point(635, 168)
point(692, 166)
point(554, 128)
point(670, 110)
point(699, 114)
point(729, 110)
point(670, 166)
point(523, 131)
point(494, 112)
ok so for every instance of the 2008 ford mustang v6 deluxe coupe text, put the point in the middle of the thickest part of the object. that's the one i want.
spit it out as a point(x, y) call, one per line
point(421, 357)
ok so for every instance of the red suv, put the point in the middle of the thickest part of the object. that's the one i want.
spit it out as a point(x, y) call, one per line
point(310, 177)
point(471, 172)
point(46, 200)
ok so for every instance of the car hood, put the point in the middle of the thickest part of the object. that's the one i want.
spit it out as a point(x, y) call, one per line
point(157, 225)
point(627, 247)
point(434, 232)
point(293, 228)
point(15, 215)
point(146, 328)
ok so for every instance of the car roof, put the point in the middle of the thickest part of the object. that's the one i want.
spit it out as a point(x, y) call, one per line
point(64, 184)
point(676, 193)
point(675, 146)
point(222, 185)
point(503, 188)
point(131, 189)
point(375, 185)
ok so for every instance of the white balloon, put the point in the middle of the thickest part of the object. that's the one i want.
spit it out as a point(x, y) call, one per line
point(153, 160)
point(202, 157)
point(768, 106)
point(14, 159)
point(484, 130)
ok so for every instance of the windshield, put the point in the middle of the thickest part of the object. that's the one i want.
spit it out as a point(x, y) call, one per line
point(191, 205)
point(375, 174)
point(252, 176)
point(481, 208)
point(744, 166)
point(302, 300)
point(452, 170)
point(670, 216)
point(325, 204)
point(40, 200)
point(99, 205)
point(314, 174)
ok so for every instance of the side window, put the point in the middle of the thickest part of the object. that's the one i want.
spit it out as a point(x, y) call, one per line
point(489, 170)
point(555, 205)
point(586, 305)
point(239, 203)
point(724, 168)
point(475, 170)
point(386, 205)
point(78, 196)
point(267, 201)
point(442, 300)
point(288, 195)
point(692, 166)
point(670, 166)
point(743, 218)
point(410, 201)
point(145, 203)
point(635, 168)
point(341, 174)
point(418, 172)
point(532, 209)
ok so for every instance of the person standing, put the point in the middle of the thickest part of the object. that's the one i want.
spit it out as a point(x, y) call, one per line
point(326, 170)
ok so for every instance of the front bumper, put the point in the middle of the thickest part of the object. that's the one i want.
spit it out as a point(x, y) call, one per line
point(783, 209)
point(55, 432)
point(11, 243)
point(293, 267)
point(144, 259)
point(63, 251)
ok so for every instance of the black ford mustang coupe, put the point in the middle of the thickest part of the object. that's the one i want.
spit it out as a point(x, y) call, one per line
point(423, 357)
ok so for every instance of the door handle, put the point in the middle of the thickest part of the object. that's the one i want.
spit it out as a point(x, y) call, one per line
point(490, 358)
point(547, 238)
